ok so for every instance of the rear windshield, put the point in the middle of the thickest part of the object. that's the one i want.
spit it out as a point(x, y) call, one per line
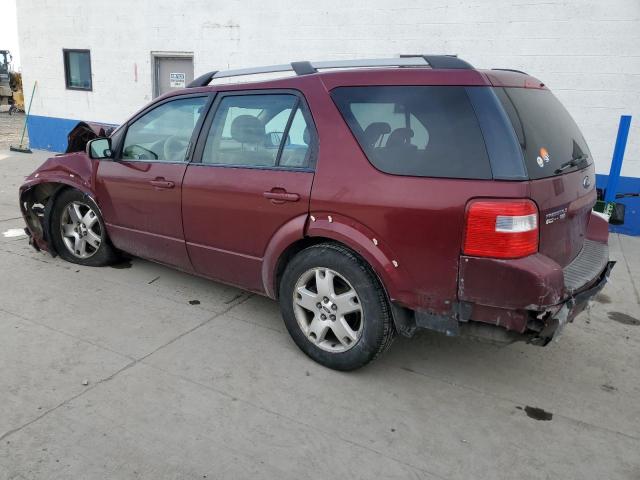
point(549, 137)
point(415, 130)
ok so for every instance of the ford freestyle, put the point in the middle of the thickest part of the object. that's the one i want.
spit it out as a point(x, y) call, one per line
point(370, 198)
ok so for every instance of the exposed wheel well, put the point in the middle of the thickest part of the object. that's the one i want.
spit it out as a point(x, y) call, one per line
point(291, 251)
point(296, 247)
point(37, 203)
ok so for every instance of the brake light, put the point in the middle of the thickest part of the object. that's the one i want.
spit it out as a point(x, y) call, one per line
point(501, 228)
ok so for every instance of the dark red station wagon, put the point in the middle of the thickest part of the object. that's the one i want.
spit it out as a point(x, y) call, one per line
point(370, 197)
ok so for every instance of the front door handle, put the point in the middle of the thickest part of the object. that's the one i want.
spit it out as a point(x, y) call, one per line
point(279, 195)
point(162, 183)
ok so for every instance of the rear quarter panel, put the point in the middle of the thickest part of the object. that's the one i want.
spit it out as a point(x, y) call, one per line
point(418, 222)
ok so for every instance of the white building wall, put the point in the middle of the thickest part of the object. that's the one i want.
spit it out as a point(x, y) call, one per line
point(586, 51)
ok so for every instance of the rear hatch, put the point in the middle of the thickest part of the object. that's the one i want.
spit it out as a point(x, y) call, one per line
point(559, 166)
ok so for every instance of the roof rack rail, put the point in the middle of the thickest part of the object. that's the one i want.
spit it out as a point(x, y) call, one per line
point(306, 68)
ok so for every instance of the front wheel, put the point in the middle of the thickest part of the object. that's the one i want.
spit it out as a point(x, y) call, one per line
point(335, 308)
point(78, 231)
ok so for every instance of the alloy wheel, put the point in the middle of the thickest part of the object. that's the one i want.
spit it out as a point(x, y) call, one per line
point(328, 310)
point(81, 230)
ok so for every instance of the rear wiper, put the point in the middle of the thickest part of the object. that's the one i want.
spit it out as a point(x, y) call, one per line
point(574, 162)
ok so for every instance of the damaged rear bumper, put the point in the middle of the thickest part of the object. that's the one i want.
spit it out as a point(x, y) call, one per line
point(529, 299)
point(560, 315)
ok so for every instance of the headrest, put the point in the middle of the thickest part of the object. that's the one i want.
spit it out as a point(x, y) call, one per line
point(306, 136)
point(247, 129)
point(374, 131)
point(399, 137)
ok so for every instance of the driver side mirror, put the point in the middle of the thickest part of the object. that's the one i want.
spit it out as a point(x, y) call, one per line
point(99, 148)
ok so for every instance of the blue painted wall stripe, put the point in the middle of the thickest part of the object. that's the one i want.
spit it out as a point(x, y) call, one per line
point(49, 133)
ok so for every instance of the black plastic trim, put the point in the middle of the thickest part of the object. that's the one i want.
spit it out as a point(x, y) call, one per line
point(202, 80)
point(303, 68)
point(504, 152)
point(447, 62)
point(586, 266)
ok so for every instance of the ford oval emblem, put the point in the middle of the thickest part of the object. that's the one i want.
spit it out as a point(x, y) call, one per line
point(586, 182)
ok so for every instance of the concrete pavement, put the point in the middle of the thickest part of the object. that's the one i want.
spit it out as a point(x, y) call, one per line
point(216, 389)
point(11, 127)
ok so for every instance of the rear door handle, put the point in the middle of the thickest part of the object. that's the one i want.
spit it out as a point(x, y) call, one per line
point(281, 196)
point(162, 183)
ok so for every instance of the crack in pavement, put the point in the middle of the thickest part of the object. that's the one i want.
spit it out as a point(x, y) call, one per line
point(514, 402)
point(48, 260)
point(465, 387)
point(294, 420)
point(67, 334)
point(123, 369)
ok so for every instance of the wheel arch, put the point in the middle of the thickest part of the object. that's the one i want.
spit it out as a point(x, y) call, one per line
point(37, 199)
point(332, 229)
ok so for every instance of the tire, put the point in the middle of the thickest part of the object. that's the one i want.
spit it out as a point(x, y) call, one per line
point(88, 229)
point(370, 329)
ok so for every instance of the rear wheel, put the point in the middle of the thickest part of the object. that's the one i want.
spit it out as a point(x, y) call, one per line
point(335, 308)
point(78, 231)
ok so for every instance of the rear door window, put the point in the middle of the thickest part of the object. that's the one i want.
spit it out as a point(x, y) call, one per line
point(416, 130)
point(262, 130)
point(549, 137)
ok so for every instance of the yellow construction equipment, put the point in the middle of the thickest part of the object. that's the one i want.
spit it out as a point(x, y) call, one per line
point(10, 84)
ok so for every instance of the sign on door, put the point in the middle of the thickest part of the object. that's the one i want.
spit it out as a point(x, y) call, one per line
point(177, 80)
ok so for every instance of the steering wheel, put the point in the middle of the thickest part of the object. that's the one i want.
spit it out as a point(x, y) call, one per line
point(175, 148)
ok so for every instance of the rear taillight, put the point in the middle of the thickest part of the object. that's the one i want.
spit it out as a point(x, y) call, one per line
point(501, 228)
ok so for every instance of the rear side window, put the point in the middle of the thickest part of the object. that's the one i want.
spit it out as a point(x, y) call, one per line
point(549, 137)
point(416, 131)
point(263, 130)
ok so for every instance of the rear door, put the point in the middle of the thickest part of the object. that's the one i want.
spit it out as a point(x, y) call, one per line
point(252, 174)
point(559, 165)
point(140, 190)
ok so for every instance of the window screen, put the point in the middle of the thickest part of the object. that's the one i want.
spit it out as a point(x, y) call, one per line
point(416, 130)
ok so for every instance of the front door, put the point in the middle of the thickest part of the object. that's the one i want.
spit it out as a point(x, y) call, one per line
point(139, 192)
point(252, 174)
point(171, 73)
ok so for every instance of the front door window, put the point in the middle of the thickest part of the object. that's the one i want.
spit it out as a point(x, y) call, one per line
point(164, 133)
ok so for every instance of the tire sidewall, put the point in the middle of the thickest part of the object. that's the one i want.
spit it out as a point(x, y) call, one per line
point(369, 292)
point(104, 255)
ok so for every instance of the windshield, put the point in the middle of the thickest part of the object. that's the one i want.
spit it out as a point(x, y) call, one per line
point(549, 137)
